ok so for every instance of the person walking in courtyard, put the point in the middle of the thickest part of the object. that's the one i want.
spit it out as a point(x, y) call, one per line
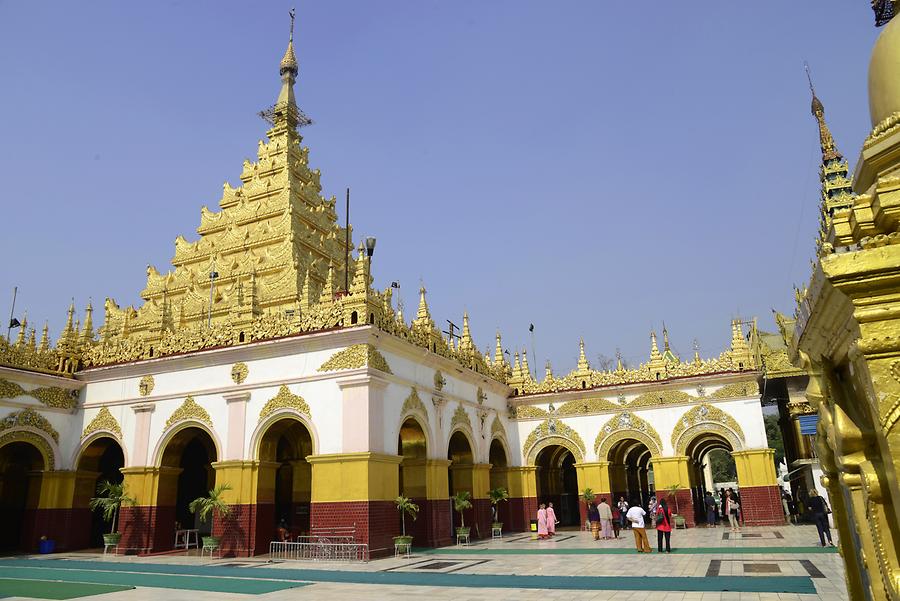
point(551, 520)
point(605, 519)
point(732, 510)
point(635, 516)
point(652, 508)
point(711, 511)
point(616, 520)
point(663, 526)
point(819, 511)
point(623, 509)
point(593, 517)
point(542, 521)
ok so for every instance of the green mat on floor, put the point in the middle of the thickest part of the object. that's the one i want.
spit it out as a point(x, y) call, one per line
point(130, 576)
point(222, 578)
point(50, 589)
point(622, 551)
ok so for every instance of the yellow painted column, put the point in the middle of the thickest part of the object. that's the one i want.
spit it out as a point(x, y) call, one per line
point(437, 484)
point(595, 476)
point(249, 481)
point(755, 467)
point(354, 477)
point(522, 481)
point(85, 488)
point(57, 489)
point(481, 480)
point(669, 472)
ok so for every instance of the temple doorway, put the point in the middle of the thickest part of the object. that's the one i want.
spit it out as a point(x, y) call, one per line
point(100, 461)
point(630, 473)
point(557, 483)
point(288, 443)
point(460, 475)
point(188, 456)
point(20, 486)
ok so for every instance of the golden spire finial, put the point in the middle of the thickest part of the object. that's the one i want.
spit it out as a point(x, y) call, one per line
point(826, 140)
point(654, 348)
point(289, 60)
point(583, 364)
point(665, 337)
point(45, 338)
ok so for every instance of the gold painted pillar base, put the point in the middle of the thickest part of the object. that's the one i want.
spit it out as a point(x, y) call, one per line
point(755, 467)
point(594, 475)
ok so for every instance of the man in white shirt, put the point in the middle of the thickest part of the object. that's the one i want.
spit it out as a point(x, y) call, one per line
point(635, 516)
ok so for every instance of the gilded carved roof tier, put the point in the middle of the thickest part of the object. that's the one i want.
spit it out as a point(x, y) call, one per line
point(356, 356)
point(661, 366)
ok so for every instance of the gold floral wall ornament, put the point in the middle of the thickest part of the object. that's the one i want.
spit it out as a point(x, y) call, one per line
point(58, 398)
point(623, 426)
point(355, 357)
point(103, 421)
point(587, 406)
point(414, 404)
point(738, 389)
point(28, 418)
point(702, 419)
point(661, 397)
point(285, 399)
point(145, 386)
point(461, 419)
point(552, 431)
point(497, 428)
point(480, 396)
point(31, 438)
point(239, 372)
point(189, 409)
point(439, 381)
point(528, 412)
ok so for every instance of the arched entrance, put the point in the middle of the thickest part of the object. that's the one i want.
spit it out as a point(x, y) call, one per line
point(412, 445)
point(186, 473)
point(460, 475)
point(499, 475)
point(286, 445)
point(630, 472)
point(100, 461)
point(557, 483)
point(700, 451)
point(21, 464)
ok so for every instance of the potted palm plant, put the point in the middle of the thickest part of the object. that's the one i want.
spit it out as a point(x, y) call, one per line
point(679, 519)
point(205, 506)
point(405, 506)
point(497, 495)
point(588, 496)
point(110, 498)
point(461, 502)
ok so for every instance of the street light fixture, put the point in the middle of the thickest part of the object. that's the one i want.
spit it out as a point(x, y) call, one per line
point(370, 246)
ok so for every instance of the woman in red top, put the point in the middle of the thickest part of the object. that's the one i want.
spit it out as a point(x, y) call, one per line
point(663, 525)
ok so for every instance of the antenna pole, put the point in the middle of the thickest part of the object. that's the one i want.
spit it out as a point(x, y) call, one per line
point(347, 244)
point(12, 312)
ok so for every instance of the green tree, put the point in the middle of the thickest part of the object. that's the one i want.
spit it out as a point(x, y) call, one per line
point(461, 502)
point(722, 465)
point(406, 506)
point(773, 434)
point(112, 497)
point(213, 501)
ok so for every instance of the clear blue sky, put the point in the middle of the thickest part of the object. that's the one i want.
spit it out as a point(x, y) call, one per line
point(595, 168)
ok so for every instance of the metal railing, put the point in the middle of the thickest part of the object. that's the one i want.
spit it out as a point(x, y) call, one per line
point(314, 548)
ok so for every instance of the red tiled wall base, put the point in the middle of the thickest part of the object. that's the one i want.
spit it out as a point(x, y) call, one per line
point(376, 522)
point(146, 528)
point(521, 511)
point(684, 506)
point(55, 524)
point(761, 505)
point(481, 518)
point(239, 532)
point(435, 517)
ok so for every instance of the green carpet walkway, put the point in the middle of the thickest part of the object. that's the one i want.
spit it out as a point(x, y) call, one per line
point(621, 551)
point(231, 579)
point(48, 589)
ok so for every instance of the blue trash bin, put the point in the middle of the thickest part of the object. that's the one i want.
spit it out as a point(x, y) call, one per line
point(46, 546)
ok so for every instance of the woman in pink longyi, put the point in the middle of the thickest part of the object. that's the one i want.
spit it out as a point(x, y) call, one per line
point(542, 521)
point(551, 520)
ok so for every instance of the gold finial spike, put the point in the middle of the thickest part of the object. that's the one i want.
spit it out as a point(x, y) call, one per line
point(292, 13)
point(665, 337)
point(45, 338)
